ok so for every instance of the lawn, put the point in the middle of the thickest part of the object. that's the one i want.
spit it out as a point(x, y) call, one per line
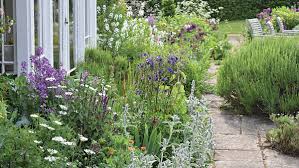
point(232, 27)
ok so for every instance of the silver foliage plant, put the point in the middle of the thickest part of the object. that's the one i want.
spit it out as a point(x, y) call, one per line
point(196, 149)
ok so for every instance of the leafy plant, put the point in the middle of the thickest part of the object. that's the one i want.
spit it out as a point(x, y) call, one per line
point(262, 76)
point(286, 136)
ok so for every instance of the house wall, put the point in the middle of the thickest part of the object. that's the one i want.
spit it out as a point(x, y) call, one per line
point(25, 30)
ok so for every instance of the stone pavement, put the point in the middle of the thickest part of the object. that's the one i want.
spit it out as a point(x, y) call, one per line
point(240, 140)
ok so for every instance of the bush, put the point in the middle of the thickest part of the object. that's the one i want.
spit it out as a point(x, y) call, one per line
point(168, 7)
point(244, 9)
point(263, 76)
point(289, 16)
point(286, 136)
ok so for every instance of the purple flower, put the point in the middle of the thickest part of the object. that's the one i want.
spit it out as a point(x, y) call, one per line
point(105, 100)
point(164, 79)
point(39, 51)
point(170, 70)
point(191, 27)
point(24, 66)
point(84, 76)
point(159, 59)
point(172, 60)
point(156, 77)
point(150, 62)
point(44, 75)
point(151, 20)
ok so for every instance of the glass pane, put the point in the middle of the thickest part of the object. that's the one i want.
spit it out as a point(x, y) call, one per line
point(36, 23)
point(56, 33)
point(9, 53)
point(9, 68)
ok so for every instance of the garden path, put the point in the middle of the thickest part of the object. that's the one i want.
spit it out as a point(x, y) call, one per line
point(240, 141)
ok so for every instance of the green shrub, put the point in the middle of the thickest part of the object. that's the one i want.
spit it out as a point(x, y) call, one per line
point(263, 76)
point(168, 7)
point(289, 17)
point(98, 62)
point(244, 9)
point(286, 136)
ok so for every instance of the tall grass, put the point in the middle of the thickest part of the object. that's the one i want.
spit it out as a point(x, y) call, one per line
point(263, 76)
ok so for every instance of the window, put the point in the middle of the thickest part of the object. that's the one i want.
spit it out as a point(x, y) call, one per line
point(7, 49)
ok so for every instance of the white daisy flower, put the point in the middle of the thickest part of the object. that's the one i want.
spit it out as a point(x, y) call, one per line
point(34, 116)
point(68, 93)
point(31, 132)
point(89, 152)
point(69, 143)
point(58, 139)
point(52, 151)
point(58, 96)
point(51, 158)
point(82, 138)
point(37, 142)
point(47, 126)
point(62, 112)
point(58, 122)
point(63, 107)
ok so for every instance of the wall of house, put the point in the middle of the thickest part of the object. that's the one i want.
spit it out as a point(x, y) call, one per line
point(75, 25)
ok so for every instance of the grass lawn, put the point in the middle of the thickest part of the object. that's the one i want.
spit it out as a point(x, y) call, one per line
point(232, 27)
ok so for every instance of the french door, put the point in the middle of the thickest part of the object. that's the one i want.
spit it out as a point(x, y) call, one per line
point(7, 49)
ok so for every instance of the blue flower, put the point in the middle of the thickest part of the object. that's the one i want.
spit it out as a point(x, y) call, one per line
point(164, 79)
point(170, 70)
point(172, 60)
point(150, 62)
point(138, 92)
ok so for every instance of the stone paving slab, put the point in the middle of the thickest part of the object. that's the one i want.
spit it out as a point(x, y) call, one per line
point(254, 124)
point(238, 164)
point(237, 155)
point(226, 124)
point(236, 142)
point(275, 159)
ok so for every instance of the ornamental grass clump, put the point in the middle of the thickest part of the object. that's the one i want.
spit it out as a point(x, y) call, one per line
point(263, 76)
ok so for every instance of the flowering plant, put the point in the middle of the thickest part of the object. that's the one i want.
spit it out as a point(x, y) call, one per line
point(158, 81)
point(197, 7)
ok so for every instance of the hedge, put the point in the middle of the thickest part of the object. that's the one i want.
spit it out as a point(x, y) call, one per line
point(244, 9)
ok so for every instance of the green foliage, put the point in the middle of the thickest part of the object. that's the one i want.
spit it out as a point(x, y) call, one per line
point(286, 136)
point(98, 62)
point(244, 9)
point(263, 76)
point(17, 147)
point(3, 112)
point(168, 7)
point(148, 139)
point(289, 17)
